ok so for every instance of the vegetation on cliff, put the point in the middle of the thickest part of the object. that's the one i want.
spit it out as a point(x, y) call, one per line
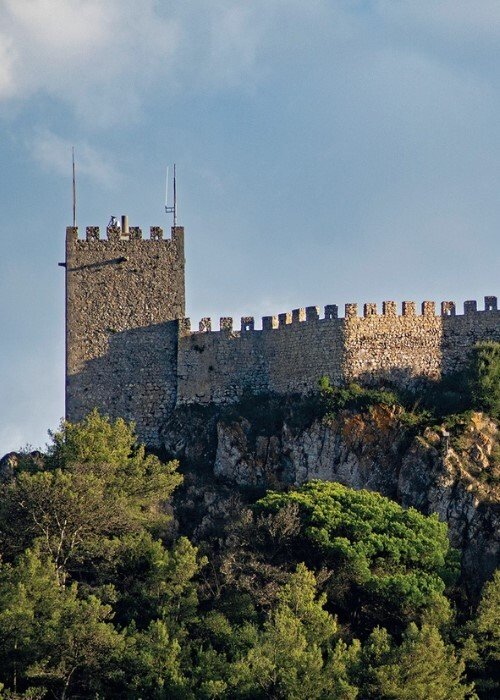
point(316, 592)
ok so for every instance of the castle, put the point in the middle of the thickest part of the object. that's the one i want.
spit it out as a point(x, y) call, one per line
point(131, 352)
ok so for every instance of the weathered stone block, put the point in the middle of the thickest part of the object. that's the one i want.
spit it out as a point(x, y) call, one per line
point(448, 308)
point(298, 315)
point(369, 310)
point(113, 233)
point(284, 319)
point(125, 312)
point(409, 308)
point(92, 233)
point(269, 322)
point(156, 233)
point(312, 313)
point(205, 325)
point(185, 325)
point(331, 311)
point(135, 233)
point(428, 308)
point(389, 308)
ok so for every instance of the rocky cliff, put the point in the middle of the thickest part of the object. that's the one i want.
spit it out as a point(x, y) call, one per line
point(454, 472)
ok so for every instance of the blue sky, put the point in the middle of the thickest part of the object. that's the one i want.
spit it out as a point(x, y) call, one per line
point(327, 151)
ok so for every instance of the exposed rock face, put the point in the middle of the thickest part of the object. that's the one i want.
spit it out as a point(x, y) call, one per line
point(435, 473)
point(10, 462)
point(356, 450)
point(449, 480)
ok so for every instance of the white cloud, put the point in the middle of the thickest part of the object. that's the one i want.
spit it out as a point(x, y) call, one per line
point(91, 55)
point(7, 82)
point(103, 60)
point(54, 153)
point(100, 58)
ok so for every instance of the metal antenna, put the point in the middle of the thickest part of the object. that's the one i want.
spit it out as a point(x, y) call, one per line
point(173, 209)
point(74, 189)
point(175, 200)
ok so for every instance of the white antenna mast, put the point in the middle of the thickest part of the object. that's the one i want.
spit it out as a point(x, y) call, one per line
point(173, 209)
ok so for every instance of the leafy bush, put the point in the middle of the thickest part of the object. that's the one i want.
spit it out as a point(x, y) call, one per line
point(353, 396)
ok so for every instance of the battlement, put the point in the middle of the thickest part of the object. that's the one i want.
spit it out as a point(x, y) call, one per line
point(311, 314)
point(115, 234)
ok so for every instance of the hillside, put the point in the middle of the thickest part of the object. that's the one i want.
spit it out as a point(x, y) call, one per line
point(337, 545)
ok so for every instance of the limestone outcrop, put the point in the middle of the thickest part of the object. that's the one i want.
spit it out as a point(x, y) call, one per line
point(456, 476)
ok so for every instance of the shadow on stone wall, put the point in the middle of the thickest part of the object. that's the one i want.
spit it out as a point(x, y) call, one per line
point(136, 379)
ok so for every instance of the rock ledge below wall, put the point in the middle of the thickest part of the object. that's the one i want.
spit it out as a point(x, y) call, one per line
point(374, 450)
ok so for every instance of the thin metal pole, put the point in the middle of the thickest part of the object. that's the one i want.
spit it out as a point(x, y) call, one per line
point(74, 189)
point(175, 201)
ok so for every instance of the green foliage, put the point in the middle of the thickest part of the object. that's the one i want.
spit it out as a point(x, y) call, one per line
point(422, 667)
point(152, 664)
point(483, 647)
point(394, 562)
point(485, 378)
point(82, 501)
point(94, 440)
point(476, 386)
point(296, 653)
point(154, 582)
point(354, 397)
point(99, 598)
point(50, 636)
point(89, 510)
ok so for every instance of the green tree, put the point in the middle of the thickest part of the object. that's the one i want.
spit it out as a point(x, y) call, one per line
point(297, 653)
point(422, 667)
point(152, 582)
point(152, 665)
point(97, 485)
point(50, 636)
point(485, 377)
point(483, 646)
point(390, 565)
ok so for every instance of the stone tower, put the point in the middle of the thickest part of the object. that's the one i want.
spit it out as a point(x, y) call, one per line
point(124, 299)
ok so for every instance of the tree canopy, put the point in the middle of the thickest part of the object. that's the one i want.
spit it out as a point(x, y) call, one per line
point(320, 592)
point(394, 562)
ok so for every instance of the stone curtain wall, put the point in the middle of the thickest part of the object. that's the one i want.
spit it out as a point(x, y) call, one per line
point(400, 348)
point(293, 350)
point(123, 298)
point(219, 366)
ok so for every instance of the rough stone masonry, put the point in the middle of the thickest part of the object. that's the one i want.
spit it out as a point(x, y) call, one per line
point(130, 350)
